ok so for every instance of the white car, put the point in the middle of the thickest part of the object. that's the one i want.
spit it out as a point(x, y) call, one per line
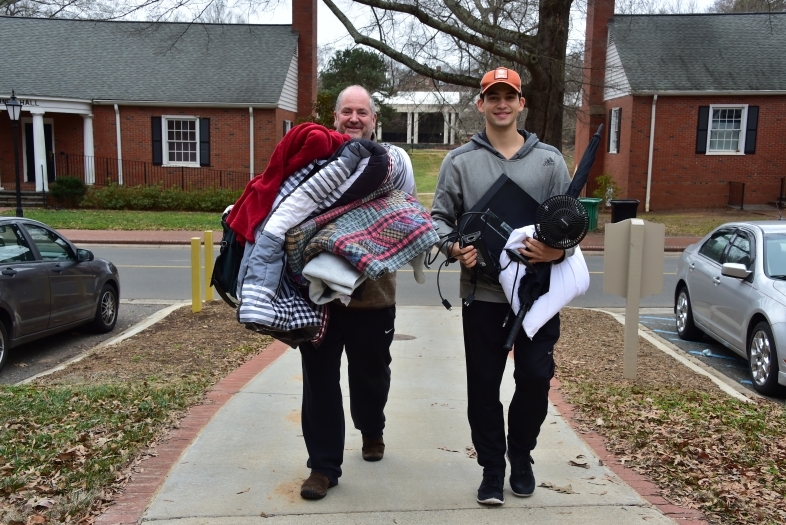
point(731, 285)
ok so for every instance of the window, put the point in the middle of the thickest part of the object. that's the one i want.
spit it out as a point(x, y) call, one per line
point(181, 144)
point(13, 246)
point(51, 246)
point(740, 251)
point(614, 129)
point(716, 245)
point(181, 141)
point(726, 129)
point(287, 126)
point(775, 256)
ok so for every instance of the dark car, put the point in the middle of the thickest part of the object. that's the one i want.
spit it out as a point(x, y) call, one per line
point(48, 285)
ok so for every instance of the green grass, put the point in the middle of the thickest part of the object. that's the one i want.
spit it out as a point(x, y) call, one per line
point(70, 442)
point(426, 164)
point(124, 219)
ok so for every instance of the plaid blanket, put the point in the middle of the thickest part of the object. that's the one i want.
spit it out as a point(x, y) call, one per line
point(377, 236)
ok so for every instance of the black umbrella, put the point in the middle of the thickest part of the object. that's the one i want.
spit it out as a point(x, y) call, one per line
point(582, 172)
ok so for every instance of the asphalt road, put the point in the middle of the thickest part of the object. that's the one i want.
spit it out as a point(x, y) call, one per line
point(161, 274)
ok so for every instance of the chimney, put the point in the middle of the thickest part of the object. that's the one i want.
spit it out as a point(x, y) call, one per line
point(592, 112)
point(304, 22)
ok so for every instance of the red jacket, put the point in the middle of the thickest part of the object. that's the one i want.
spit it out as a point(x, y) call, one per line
point(303, 144)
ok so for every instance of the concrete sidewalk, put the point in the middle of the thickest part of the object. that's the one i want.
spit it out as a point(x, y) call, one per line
point(246, 464)
point(592, 242)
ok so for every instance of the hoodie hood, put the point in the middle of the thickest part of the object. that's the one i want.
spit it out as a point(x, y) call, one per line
point(530, 141)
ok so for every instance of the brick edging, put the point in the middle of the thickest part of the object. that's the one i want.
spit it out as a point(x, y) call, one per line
point(131, 504)
point(638, 482)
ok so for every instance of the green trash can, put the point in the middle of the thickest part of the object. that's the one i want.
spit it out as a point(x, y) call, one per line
point(591, 204)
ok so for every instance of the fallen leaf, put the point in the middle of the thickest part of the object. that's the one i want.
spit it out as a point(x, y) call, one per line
point(567, 489)
point(446, 449)
point(583, 464)
point(36, 520)
point(244, 490)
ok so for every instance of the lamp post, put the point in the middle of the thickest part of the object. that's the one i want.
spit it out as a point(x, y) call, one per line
point(14, 108)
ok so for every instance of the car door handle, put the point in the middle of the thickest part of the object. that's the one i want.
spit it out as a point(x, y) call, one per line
point(691, 266)
point(716, 280)
point(56, 268)
point(9, 271)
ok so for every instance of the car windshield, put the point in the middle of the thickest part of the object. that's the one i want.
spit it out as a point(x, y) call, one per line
point(775, 256)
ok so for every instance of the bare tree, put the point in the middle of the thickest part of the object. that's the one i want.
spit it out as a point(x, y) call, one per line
point(95, 9)
point(468, 37)
point(221, 12)
point(748, 6)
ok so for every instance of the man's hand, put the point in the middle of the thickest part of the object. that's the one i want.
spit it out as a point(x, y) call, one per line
point(537, 252)
point(467, 255)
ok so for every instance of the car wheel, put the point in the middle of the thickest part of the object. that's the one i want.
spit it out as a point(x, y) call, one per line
point(763, 360)
point(5, 345)
point(684, 313)
point(106, 312)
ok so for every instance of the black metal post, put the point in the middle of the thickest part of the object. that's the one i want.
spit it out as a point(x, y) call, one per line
point(18, 179)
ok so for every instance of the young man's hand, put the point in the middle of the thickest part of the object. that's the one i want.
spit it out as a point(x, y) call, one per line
point(467, 255)
point(537, 251)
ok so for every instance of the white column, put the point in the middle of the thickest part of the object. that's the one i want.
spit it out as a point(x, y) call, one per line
point(251, 142)
point(379, 131)
point(446, 129)
point(409, 127)
point(415, 116)
point(89, 151)
point(39, 151)
point(119, 148)
point(453, 120)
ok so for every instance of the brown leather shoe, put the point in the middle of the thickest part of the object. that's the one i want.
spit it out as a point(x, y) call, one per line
point(373, 448)
point(316, 486)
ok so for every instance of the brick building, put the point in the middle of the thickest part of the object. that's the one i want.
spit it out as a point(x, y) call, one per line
point(694, 106)
point(133, 103)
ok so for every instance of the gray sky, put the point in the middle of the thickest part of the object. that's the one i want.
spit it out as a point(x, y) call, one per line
point(331, 32)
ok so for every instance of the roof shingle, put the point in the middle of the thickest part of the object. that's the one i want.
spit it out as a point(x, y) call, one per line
point(707, 52)
point(142, 61)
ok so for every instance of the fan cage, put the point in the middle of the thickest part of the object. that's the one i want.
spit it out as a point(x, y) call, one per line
point(561, 222)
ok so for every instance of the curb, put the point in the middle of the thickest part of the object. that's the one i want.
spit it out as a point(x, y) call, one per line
point(128, 332)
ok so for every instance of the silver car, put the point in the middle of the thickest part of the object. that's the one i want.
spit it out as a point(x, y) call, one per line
point(48, 285)
point(731, 285)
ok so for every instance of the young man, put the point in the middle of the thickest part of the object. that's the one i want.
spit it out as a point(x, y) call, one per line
point(467, 173)
point(364, 329)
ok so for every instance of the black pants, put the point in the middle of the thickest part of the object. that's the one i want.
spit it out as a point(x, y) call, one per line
point(366, 335)
point(484, 338)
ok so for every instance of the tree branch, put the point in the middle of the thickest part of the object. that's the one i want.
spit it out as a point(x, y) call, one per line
point(492, 31)
point(487, 44)
point(451, 78)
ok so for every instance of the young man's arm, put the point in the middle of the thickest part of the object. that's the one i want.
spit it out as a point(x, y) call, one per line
point(447, 206)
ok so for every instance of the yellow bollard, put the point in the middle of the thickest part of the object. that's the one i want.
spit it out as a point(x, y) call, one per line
point(208, 264)
point(196, 288)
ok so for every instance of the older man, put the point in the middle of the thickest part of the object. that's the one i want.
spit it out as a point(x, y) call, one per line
point(364, 328)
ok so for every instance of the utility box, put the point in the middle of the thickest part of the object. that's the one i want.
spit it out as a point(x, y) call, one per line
point(633, 268)
point(616, 258)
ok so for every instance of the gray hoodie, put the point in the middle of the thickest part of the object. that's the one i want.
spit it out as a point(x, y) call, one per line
point(468, 172)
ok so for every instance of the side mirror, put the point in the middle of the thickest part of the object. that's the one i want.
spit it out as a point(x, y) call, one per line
point(84, 255)
point(736, 270)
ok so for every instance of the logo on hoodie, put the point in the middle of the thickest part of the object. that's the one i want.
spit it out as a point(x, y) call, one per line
point(549, 161)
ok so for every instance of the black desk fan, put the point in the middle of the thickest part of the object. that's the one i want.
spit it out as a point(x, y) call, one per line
point(561, 222)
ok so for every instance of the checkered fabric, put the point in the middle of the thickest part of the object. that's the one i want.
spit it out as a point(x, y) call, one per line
point(378, 236)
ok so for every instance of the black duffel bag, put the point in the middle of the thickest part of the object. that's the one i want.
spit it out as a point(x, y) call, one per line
point(227, 264)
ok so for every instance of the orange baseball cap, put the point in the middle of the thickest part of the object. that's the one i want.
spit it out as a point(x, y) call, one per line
point(501, 75)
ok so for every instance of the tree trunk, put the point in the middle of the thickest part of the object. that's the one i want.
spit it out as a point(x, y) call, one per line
point(546, 92)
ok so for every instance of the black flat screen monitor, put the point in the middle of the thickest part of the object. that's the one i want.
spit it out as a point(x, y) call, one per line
point(504, 208)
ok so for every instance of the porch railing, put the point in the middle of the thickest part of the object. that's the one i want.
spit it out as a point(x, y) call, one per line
point(104, 171)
